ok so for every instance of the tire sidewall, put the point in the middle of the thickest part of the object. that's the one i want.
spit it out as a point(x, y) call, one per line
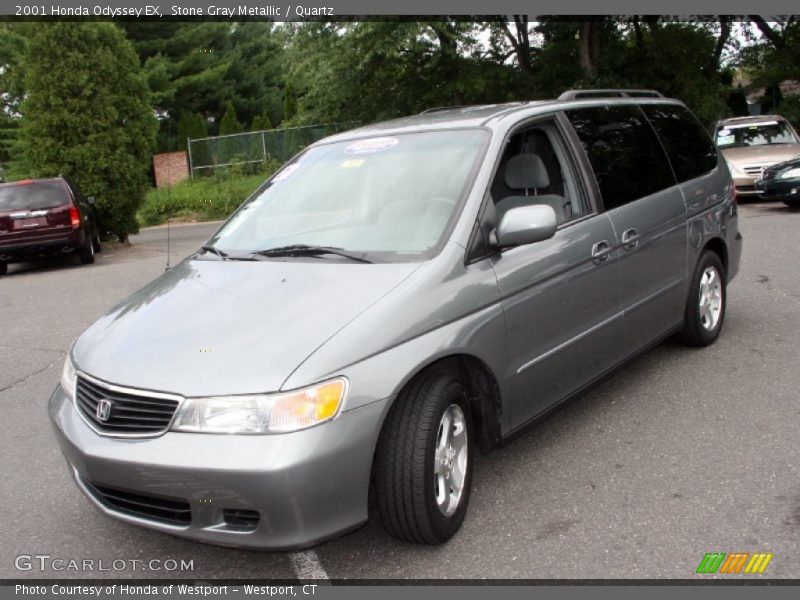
point(86, 252)
point(445, 527)
point(707, 336)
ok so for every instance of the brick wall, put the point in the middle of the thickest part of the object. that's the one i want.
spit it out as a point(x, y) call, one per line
point(170, 168)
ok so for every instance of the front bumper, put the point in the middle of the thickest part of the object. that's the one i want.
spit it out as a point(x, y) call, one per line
point(778, 188)
point(745, 186)
point(306, 486)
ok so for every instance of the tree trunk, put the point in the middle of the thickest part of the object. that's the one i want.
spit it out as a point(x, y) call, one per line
point(637, 31)
point(448, 48)
point(589, 48)
point(724, 36)
point(769, 33)
point(521, 45)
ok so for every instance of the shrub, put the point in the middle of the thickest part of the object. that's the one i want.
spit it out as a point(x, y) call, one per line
point(206, 198)
point(87, 116)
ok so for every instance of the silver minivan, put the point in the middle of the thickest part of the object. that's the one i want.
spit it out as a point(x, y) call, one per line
point(393, 300)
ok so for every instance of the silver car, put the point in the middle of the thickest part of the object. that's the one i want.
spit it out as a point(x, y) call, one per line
point(393, 300)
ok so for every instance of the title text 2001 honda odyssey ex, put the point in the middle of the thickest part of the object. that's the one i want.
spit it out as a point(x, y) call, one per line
point(393, 299)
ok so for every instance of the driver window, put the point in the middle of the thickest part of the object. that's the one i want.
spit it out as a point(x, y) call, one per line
point(534, 170)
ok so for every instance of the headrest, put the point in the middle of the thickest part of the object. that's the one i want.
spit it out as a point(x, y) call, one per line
point(526, 171)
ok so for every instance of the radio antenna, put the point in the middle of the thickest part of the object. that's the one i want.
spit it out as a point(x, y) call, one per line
point(169, 192)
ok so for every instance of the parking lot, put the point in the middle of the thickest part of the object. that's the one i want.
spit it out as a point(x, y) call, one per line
point(683, 452)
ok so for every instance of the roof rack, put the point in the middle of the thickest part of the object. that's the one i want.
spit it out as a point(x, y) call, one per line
point(579, 94)
point(439, 109)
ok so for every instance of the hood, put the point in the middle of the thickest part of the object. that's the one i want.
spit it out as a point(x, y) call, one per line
point(212, 327)
point(789, 164)
point(761, 155)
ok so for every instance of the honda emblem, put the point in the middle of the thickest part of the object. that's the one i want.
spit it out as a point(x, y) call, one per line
point(103, 411)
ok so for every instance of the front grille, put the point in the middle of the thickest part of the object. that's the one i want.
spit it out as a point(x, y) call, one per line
point(165, 510)
point(753, 170)
point(771, 172)
point(127, 413)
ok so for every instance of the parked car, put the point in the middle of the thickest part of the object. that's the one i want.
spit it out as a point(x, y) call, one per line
point(781, 182)
point(751, 145)
point(393, 299)
point(45, 217)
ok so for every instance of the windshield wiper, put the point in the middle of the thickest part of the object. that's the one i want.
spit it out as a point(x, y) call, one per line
point(304, 250)
point(213, 250)
point(224, 255)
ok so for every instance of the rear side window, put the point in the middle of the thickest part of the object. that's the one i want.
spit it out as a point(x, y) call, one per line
point(626, 156)
point(690, 149)
point(32, 196)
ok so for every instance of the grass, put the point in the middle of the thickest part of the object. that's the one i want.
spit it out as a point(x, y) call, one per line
point(206, 199)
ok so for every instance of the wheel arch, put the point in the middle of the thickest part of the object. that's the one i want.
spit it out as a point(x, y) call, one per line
point(483, 393)
point(717, 245)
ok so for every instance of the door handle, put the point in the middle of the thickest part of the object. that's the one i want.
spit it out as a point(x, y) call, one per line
point(630, 239)
point(600, 252)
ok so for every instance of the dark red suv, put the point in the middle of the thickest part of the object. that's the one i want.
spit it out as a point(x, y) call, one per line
point(45, 217)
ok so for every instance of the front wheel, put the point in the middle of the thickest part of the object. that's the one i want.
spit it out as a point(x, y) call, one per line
point(423, 464)
point(705, 307)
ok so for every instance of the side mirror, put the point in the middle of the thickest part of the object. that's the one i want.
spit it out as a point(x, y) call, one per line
point(91, 200)
point(526, 225)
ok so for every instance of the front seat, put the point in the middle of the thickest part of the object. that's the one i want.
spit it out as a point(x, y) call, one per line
point(527, 172)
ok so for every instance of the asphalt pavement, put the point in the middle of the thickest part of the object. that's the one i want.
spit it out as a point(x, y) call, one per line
point(681, 453)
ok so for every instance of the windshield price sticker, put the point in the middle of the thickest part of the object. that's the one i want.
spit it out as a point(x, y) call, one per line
point(353, 163)
point(372, 146)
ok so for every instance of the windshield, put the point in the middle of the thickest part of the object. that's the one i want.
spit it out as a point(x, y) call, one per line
point(757, 134)
point(385, 196)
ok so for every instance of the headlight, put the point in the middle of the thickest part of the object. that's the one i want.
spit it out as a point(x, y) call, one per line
point(734, 171)
point(268, 413)
point(790, 174)
point(68, 377)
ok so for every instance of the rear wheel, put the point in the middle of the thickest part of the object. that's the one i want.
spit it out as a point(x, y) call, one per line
point(96, 243)
point(86, 252)
point(423, 464)
point(705, 308)
point(3, 267)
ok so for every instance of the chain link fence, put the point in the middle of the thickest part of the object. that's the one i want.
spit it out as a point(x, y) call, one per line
point(256, 150)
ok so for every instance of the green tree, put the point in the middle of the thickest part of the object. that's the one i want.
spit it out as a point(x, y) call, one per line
point(255, 73)
point(376, 70)
point(86, 115)
point(190, 125)
point(261, 123)
point(13, 46)
point(737, 103)
point(198, 66)
point(289, 102)
point(230, 122)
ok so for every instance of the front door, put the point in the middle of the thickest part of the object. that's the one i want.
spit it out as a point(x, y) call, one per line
point(559, 295)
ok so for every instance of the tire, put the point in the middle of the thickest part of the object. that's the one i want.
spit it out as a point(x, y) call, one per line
point(86, 252)
point(705, 307)
point(98, 248)
point(409, 470)
point(3, 268)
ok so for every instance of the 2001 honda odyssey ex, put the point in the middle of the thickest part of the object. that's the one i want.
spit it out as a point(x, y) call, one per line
point(393, 299)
